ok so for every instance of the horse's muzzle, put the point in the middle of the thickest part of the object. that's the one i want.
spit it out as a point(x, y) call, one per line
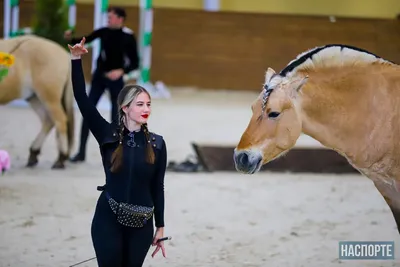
point(247, 161)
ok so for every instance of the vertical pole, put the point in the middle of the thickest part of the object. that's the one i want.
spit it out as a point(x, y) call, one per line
point(146, 28)
point(104, 8)
point(11, 20)
point(7, 19)
point(96, 24)
point(211, 5)
point(15, 17)
point(145, 40)
point(100, 20)
point(71, 14)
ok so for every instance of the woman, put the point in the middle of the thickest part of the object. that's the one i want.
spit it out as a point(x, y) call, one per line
point(134, 163)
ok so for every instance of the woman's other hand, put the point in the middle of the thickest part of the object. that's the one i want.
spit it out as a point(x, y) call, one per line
point(160, 245)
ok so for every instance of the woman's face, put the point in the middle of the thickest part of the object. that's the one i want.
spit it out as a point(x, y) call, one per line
point(139, 109)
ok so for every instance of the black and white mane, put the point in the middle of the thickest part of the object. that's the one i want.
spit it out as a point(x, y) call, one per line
point(327, 55)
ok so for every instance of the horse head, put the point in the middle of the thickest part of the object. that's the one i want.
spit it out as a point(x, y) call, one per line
point(275, 124)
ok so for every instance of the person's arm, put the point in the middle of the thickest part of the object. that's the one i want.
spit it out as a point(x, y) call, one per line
point(132, 53)
point(158, 187)
point(90, 37)
point(96, 123)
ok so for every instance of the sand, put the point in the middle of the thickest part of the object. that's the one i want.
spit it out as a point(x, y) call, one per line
point(215, 219)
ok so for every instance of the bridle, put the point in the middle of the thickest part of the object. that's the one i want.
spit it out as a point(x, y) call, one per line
point(17, 46)
point(266, 93)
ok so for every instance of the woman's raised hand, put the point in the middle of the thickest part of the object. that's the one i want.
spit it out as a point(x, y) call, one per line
point(78, 49)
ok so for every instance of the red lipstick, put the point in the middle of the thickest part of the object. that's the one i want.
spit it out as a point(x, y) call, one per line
point(145, 116)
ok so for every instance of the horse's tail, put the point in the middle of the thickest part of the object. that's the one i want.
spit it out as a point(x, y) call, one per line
point(68, 105)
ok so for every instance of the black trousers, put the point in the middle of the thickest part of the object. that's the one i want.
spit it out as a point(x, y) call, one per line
point(98, 86)
point(117, 245)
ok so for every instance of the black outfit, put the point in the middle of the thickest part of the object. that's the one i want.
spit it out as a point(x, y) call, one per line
point(118, 51)
point(137, 182)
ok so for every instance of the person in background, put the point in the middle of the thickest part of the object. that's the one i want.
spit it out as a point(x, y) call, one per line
point(118, 55)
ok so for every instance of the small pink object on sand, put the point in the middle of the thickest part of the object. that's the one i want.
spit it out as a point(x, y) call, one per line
point(5, 161)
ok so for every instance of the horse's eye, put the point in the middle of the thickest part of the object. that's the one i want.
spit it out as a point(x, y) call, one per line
point(273, 114)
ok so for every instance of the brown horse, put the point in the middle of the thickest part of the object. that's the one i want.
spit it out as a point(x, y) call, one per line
point(41, 75)
point(344, 97)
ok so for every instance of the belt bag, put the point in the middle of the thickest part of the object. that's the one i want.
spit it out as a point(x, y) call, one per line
point(130, 215)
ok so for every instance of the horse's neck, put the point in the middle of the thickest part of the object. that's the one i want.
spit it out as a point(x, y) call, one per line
point(351, 111)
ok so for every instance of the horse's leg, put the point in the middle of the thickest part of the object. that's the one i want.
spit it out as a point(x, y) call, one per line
point(53, 105)
point(391, 194)
point(47, 125)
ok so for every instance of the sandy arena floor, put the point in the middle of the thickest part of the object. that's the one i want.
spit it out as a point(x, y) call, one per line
point(217, 219)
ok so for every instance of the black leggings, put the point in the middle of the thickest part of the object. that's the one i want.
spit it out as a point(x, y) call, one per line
point(117, 245)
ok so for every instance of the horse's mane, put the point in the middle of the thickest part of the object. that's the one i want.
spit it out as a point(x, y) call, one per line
point(331, 55)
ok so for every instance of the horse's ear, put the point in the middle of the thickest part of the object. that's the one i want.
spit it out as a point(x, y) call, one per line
point(301, 82)
point(268, 75)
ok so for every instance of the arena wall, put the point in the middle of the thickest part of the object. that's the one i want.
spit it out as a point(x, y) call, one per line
point(347, 8)
point(232, 50)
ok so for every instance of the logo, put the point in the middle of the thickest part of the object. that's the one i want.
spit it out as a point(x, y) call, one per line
point(366, 250)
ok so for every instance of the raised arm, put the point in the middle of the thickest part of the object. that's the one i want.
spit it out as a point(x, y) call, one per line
point(96, 123)
point(158, 187)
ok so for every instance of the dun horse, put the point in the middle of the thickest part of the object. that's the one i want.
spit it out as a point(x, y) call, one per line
point(344, 97)
point(41, 75)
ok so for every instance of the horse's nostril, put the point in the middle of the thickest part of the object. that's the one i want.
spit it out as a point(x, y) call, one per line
point(243, 159)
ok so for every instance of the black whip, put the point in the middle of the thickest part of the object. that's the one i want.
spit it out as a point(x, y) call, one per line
point(159, 240)
point(76, 264)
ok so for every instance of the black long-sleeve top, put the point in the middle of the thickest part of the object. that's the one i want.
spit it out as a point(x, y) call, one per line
point(137, 182)
point(118, 49)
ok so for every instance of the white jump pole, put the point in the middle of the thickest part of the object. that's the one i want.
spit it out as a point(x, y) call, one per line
point(7, 19)
point(100, 20)
point(15, 17)
point(11, 18)
point(211, 5)
point(96, 24)
point(157, 90)
point(71, 14)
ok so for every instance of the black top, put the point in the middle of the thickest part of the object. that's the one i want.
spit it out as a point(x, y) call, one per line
point(116, 46)
point(137, 182)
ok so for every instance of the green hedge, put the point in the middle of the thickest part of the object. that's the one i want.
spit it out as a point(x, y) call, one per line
point(51, 20)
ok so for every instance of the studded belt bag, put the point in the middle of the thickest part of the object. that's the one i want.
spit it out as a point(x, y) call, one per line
point(130, 215)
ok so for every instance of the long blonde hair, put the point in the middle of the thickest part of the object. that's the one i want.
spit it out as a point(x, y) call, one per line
point(125, 97)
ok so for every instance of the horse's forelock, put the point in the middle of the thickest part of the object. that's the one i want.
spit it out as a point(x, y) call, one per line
point(268, 88)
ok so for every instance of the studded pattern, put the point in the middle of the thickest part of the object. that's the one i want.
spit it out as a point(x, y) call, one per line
point(156, 141)
point(131, 215)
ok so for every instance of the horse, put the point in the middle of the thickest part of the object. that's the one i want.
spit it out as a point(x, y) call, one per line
point(41, 75)
point(345, 97)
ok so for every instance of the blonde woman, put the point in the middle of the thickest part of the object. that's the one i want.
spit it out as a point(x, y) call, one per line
point(134, 161)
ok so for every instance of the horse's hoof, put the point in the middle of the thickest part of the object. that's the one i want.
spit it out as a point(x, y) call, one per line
point(58, 165)
point(33, 158)
point(32, 163)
